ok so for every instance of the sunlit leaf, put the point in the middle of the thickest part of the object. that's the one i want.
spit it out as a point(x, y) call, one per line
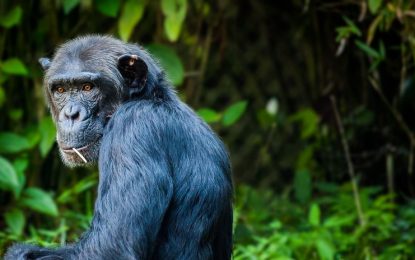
point(12, 143)
point(108, 7)
point(325, 249)
point(40, 201)
point(233, 113)
point(14, 66)
point(47, 132)
point(172, 27)
point(374, 5)
point(15, 220)
point(314, 215)
point(209, 115)
point(175, 12)
point(174, 8)
point(8, 176)
point(12, 18)
point(170, 61)
point(68, 5)
point(338, 221)
point(130, 16)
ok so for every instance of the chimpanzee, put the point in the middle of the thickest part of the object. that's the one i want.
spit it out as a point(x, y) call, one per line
point(165, 188)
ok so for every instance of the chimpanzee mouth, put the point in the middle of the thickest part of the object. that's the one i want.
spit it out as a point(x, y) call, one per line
point(75, 156)
point(67, 149)
point(73, 149)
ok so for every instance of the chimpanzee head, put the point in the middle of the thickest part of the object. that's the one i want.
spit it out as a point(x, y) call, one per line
point(85, 82)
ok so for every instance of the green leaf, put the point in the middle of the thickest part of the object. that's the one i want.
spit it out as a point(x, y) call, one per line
point(15, 220)
point(374, 5)
point(175, 12)
point(2, 96)
point(314, 215)
point(172, 28)
point(14, 66)
point(69, 5)
point(32, 135)
point(83, 185)
point(130, 16)
point(265, 119)
point(209, 115)
point(47, 132)
point(174, 8)
point(305, 158)
point(170, 61)
point(344, 32)
point(382, 50)
point(40, 201)
point(108, 7)
point(12, 18)
point(12, 143)
point(16, 114)
point(309, 122)
point(8, 176)
point(302, 185)
point(325, 249)
point(20, 165)
point(233, 113)
point(367, 49)
point(336, 221)
point(352, 26)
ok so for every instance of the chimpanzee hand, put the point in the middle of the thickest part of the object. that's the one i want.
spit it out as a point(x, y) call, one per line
point(29, 252)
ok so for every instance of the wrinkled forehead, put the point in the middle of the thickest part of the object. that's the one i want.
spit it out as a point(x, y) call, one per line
point(64, 69)
point(68, 68)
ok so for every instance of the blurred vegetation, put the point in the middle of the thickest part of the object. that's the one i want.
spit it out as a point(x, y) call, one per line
point(314, 98)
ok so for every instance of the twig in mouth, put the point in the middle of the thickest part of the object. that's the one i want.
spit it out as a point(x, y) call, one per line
point(80, 155)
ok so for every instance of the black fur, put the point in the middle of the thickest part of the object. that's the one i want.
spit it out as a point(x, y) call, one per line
point(165, 188)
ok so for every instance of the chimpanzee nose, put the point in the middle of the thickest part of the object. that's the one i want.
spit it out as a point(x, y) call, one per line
point(72, 116)
point(72, 112)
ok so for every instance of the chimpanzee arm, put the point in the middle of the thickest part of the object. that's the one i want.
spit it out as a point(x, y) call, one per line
point(134, 192)
point(135, 187)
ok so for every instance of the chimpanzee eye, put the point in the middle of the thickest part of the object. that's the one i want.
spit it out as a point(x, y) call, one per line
point(87, 87)
point(60, 89)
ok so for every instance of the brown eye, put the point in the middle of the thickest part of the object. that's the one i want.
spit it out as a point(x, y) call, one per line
point(60, 89)
point(87, 87)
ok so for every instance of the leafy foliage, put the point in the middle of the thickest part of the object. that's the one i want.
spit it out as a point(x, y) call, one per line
point(14, 66)
point(131, 14)
point(324, 230)
point(169, 61)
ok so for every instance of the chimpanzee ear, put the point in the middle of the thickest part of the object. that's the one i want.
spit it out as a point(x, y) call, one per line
point(45, 63)
point(134, 70)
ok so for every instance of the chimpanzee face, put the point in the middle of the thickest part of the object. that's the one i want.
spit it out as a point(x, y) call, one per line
point(79, 116)
point(84, 85)
point(84, 88)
